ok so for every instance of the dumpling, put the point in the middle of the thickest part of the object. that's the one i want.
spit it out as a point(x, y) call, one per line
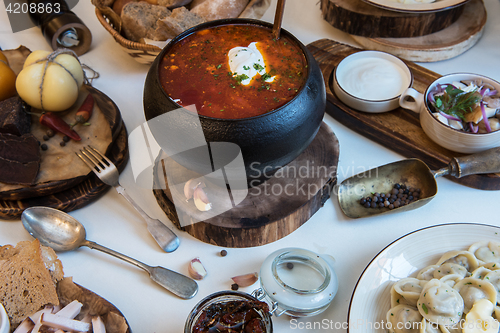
point(451, 279)
point(493, 277)
point(479, 319)
point(472, 290)
point(439, 303)
point(480, 272)
point(450, 268)
point(406, 291)
point(428, 327)
point(427, 273)
point(403, 319)
point(463, 258)
point(457, 328)
point(486, 252)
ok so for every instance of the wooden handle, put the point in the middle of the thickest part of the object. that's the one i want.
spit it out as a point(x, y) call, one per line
point(278, 18)
point(485, 162)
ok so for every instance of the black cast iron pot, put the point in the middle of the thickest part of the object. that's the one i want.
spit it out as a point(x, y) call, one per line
point(266, 142)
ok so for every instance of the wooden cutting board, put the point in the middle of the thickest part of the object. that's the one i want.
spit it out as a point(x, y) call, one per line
point(398, 130)
point(362, 19)
point(450, 42)
point(271, 210)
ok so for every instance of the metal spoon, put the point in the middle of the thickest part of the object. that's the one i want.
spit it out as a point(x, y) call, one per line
point(412, 172)
point(62, 232)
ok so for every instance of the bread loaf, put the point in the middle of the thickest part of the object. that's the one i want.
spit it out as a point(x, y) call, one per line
point(27, 284)
point(180, 20)
point(140, 19)
point(171, 4)
point(218, 9)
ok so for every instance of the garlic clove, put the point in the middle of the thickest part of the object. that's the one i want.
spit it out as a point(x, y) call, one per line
point(200, 199)
point(191, 185)
point(246, 279)
point(196, 269)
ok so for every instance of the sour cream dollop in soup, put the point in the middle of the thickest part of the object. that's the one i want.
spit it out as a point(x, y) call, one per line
point(233, 71)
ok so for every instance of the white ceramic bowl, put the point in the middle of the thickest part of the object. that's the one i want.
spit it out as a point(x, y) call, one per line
point(444, 135)
point(4, 320)
point(404, 257)
point(371, 81)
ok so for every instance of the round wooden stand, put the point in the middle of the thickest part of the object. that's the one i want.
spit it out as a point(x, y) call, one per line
point(271, 210)
point(362, 19)
point(450, 42)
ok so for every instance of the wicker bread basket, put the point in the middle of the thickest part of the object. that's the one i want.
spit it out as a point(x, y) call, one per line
point(146, 53)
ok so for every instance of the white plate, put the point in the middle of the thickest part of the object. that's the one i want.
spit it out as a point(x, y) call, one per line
point(436, 6)
point(402, 258)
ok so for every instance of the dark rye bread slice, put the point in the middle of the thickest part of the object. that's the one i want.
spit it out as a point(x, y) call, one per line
point(19, 158)
point(27, 284)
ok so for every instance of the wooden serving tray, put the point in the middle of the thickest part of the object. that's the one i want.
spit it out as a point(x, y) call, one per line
point(71, 194)
point(398, 130)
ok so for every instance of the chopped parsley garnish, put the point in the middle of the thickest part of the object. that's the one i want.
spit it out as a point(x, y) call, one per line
point(265, 77)
point(219, 66)
point(246, 68)
point(425, 309)
point(455, 102)
point(258, 67)
point(241, 77)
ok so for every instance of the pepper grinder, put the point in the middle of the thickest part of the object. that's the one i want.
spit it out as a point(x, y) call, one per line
point(60, 26)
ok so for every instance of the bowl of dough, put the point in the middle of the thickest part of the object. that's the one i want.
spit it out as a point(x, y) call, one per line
point(142, 28)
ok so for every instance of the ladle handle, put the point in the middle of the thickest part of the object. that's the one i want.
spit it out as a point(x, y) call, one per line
point(484, 162)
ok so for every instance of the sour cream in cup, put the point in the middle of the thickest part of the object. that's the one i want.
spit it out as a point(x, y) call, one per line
point(371, 81)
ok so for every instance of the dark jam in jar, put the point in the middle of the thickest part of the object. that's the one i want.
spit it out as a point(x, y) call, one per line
point(232, 316)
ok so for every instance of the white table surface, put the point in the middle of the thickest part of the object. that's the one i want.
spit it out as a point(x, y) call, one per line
point(112, 222)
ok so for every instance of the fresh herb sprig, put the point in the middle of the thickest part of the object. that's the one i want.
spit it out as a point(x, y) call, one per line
point(455, 102)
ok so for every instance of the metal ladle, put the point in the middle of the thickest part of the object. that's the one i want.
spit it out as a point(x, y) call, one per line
point(413, 173)
point(62, 232)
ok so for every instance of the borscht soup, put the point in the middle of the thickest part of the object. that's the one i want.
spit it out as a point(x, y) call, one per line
point(233, 71)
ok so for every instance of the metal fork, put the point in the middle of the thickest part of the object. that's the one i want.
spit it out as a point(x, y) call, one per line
point(107, 172)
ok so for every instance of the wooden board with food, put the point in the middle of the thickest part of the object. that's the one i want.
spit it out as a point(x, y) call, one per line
point(38, 297)
point(399, 130)
point(40, 133)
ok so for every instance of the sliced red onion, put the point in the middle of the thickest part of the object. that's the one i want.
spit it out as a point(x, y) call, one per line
point(473, 128)
point(485, 119)
point(447, 116)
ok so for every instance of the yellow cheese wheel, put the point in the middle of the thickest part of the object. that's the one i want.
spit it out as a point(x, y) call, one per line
point(7, 79)
point(50, 81)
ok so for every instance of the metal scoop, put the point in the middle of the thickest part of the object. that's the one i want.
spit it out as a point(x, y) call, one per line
point(414, 173)
point(62, 232)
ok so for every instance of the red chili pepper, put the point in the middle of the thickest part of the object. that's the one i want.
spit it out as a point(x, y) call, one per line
point(51, 120)
point(85, 111)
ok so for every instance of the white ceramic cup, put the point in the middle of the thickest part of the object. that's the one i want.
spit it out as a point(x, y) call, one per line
point(444, 135)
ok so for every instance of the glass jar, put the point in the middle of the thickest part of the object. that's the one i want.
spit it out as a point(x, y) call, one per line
point(297, 282)
point(221, 298)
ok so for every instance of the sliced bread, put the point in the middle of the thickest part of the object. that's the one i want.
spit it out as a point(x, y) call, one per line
point(27, 285)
